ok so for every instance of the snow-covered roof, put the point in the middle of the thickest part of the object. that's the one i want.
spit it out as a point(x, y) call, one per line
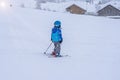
point(116, 4)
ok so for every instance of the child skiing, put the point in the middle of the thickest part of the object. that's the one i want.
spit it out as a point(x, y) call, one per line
point(56, 38)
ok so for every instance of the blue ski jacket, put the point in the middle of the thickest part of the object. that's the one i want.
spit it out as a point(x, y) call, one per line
point(56, 35)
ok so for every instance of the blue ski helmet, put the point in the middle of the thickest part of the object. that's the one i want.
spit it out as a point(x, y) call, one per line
point(57, 23)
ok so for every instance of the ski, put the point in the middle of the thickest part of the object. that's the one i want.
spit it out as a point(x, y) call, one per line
point(53, 56)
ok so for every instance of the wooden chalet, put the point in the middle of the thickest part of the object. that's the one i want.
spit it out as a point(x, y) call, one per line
point(109, 10)
point(74, 9)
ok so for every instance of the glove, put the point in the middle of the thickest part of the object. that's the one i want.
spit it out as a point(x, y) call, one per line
point(61, 41)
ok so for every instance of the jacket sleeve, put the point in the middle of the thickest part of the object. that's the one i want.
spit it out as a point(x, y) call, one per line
point(61, 37)
point(51, 34)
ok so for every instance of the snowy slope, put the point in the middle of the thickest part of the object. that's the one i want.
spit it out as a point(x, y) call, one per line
point(92, 42)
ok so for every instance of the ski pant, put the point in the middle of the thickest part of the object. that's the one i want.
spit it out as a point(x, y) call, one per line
point(57, 48)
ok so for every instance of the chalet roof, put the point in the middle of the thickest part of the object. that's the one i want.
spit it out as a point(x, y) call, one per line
point(115, 4)
point(83, 5)
point(77, 3)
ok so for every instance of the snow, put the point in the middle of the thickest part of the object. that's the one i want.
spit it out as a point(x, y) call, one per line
point(93, 44)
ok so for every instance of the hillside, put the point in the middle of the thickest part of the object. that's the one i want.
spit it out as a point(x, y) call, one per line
point(93, 44)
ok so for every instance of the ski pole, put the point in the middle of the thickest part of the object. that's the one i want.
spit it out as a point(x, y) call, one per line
point(48, 48)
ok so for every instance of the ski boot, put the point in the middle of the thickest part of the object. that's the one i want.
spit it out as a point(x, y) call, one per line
point(58, 55)
point(53, 54)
